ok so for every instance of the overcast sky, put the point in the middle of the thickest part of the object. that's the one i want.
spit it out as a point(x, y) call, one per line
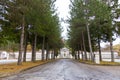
point(63, 10)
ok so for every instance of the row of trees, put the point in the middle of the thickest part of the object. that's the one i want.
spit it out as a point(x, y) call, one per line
point(91, 22)
point(34, 21)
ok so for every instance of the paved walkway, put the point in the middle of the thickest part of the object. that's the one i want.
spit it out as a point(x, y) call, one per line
point(67, 69)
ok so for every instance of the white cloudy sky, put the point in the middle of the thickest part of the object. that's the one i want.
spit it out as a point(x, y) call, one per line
point(63, 10)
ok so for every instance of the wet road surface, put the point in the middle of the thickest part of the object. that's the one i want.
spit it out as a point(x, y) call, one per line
point(68, 69)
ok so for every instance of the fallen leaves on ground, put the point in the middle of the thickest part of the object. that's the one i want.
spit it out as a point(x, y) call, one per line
point(106, 63)
point(7, 69)
point(109, 63)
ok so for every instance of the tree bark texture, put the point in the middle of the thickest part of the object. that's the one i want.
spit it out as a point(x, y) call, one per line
point(34, 48)
point(25, 48)
point(84, 47)
point(100, 56)
point(111, 49)
point(21, 42)
point(43, 47)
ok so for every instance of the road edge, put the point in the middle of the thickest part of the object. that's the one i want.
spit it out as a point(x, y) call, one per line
point(15, 73)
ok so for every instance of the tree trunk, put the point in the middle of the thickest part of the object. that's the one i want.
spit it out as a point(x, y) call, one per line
point(100, 56)
point(75, 55)
point(43, 47)
point(83, 39)
point(21, 42)
point(54, 54)
point(47, 53)
point(78, 55)
point(82, 52)
point(90, 46)
point(34, 48)
point(25, 49)
point(111, 49)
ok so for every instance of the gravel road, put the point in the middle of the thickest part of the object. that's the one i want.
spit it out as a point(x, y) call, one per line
point(68, 69)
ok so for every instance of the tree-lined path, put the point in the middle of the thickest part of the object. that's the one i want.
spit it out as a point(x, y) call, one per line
point(68, 69)
point(37, 24)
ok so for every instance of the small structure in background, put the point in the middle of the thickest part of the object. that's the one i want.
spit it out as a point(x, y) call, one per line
point(65, 53)
point(4, 55)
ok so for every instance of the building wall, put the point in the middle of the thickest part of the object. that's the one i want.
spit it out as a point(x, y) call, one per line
point(107, 54)
point(65, 53)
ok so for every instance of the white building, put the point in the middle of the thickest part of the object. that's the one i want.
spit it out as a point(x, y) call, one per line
point(64, 53)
